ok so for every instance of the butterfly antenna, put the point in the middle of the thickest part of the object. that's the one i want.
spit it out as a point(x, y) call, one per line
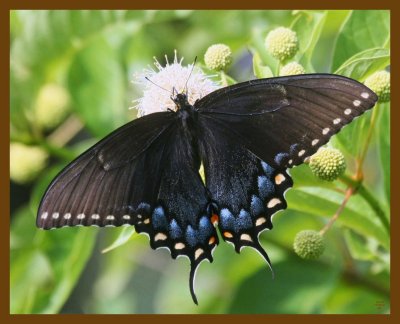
point(191, 70)
point(157, 85)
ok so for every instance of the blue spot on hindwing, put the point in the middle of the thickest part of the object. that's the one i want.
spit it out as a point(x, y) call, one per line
point(256, 206)
point(243, 221)
point(281, 158)
point(175, 230)
point(265, 187)
point(205, 229)
point(158, 219)
point(226, 218)
point(143, 208)
point(294, 148)
point(191, 236)
point(268, 170)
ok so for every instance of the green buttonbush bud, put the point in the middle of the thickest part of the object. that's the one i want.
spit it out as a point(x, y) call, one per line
point(218, 57)
point(52, 106)
point(328, 164)
point(379, 82)
point(309, 244)
point(26, 162)
point(292, 68)
point(282, 43)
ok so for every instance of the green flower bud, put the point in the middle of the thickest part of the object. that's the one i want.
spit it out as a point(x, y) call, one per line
point(309, 244)
point(52, 106)
point(328, 164)
point(282, 43)
point(379, 82)
point(26, 162)
point(218, 57)
point(292, 68)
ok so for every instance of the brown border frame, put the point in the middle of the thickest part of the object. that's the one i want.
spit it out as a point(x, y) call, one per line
point(7, 5)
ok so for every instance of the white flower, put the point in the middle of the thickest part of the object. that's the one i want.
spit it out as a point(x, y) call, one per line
point(157, 93)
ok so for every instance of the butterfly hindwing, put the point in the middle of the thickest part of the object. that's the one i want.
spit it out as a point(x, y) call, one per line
point(246, 190)
point(284, 120)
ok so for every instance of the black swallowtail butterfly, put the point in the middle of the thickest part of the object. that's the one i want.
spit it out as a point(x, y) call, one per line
point(146, 173)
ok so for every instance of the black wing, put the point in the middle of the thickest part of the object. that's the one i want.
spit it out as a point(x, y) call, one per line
point(284, 120)
point(246, 190)
point(253, 131)
point(102, 185)
point(143, 174)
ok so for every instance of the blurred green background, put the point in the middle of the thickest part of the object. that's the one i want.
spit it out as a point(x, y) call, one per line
point(70, 85)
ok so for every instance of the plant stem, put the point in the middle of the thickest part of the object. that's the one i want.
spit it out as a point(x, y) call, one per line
point(359, 188)
point(278, 69)
point(370, 199)
point(66, 131)
point(349, 193)
point(360, 160)
point(223, 78)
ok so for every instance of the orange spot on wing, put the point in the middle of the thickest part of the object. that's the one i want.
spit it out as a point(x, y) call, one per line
point(228, 234)
point(214, 219)
point(211, 240)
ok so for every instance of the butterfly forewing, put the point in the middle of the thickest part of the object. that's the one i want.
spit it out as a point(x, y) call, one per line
point(105, 184)
point(285, 131)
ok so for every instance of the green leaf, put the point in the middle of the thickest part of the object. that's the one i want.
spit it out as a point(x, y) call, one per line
point(226, 80)
point(301, 287)
point(357, 215)
point(351, 297)
point(68, 264)
point(41, 186)
point(303, 177)
point(124, 236)
point(260, 70)
point(97, 86)
point(363, 64)
point(56, 30)
point(308, 26)
point(358, 246)
point(351, 138)
point(29, 273)
point(364, 29)
point(45, 265)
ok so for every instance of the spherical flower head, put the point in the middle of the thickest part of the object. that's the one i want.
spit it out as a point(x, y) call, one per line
point(157, 93)
point(309, 244)
point(379, 82)
point(26, 162)
point(218, 57)
point(292, 68)
point(328, 164)
point(52, 106)
point(282, 43)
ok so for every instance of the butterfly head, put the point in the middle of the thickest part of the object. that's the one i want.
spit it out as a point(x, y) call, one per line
point(180, 100)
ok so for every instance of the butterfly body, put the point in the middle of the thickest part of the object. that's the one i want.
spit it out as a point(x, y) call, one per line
point(246, 136)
